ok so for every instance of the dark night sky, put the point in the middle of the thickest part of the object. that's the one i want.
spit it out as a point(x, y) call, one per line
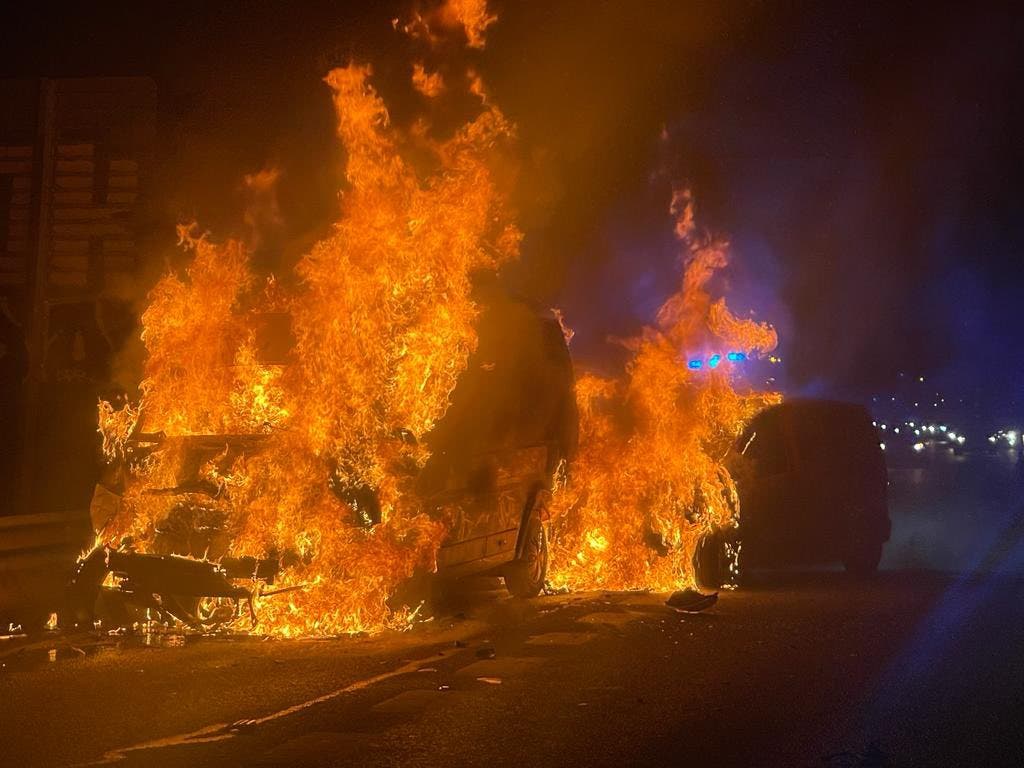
point(865, 160)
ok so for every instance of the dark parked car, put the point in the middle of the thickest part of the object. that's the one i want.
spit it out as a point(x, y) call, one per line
point(813, 489)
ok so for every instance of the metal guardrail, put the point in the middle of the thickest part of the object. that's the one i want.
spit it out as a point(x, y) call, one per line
point(37, 556)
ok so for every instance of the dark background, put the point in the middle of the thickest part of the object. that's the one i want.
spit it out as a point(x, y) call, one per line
point(864, 159)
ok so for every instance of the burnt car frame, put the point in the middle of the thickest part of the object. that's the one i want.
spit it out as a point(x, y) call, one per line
point(511, 426)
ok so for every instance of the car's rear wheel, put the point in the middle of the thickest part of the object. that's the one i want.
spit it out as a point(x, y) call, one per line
point(525, 576)
point(716, 560)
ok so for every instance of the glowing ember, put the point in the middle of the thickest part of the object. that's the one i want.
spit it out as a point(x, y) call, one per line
point(430, 84)
point(649, 479)
point(470, 17)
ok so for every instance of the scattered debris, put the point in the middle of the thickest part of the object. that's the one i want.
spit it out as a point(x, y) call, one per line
point(552, 590)
point(691, 601)
point(490, 680)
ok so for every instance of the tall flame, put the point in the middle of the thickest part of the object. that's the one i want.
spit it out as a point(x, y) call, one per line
point(649, 479)
point(382, 319)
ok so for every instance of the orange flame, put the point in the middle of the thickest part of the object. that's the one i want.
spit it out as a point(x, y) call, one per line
point(382, 321)
point(430, 84)
point(649, 479)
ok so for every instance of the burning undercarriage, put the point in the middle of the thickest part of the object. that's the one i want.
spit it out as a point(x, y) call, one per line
point(122, 589)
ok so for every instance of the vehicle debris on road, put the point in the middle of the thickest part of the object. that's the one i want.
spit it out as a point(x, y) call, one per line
point(691, 601)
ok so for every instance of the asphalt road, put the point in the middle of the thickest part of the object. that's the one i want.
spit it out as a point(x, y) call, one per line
point(908, 669)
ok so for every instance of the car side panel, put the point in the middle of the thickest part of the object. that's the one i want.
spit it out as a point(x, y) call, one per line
point(484, 526)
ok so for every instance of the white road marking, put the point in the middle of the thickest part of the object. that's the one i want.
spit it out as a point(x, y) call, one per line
point(224, 731)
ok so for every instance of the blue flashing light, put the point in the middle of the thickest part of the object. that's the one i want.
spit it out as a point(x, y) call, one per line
point(714, 360)
point(695, 365)
point(736, 357)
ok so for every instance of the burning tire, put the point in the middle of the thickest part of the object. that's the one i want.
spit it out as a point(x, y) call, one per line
point(525, 576)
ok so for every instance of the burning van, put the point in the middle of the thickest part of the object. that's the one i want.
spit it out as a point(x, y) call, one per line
point(510, 427)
